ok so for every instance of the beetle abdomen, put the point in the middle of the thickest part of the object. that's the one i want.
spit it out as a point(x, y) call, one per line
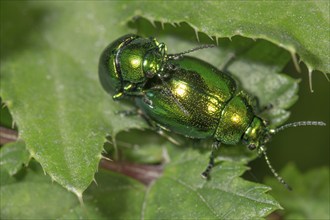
point(235, 119)
point(192, 109)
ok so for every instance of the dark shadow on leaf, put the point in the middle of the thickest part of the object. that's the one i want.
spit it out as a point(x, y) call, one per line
point(21, 25)
point(115, 195)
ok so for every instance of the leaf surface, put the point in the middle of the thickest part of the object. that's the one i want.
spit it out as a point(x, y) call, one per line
point(300, 27)
point(310, 196)
point(13, 156)
point(51, 58)
point(119, 197)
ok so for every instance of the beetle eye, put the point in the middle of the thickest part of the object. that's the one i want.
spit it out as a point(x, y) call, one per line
point(252, 146)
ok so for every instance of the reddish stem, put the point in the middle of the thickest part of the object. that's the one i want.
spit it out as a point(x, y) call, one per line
point(141, 172)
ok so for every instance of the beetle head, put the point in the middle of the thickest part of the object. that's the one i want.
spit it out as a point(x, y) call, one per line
point(257, 134)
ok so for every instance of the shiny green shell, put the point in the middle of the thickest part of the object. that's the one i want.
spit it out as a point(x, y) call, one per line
point(209, 96)
point(127, 63)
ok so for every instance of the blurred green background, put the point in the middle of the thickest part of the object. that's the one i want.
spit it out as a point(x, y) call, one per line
point(307, 147)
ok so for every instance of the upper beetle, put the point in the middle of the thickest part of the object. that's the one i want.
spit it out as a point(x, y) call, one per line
point(127, 63)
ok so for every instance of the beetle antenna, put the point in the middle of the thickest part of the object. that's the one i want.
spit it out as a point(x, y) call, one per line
point(297, 124)
point(277, 176)
point(179, 55)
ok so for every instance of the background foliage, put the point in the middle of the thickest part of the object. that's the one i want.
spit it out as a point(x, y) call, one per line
point(49, 82)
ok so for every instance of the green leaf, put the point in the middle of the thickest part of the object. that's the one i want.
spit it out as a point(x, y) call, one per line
point(57, 102)
point(225, 195)
point(32, 189)
point(260, 79)
point(50, 54)
point(180, 193)
point(13, 156)
point(5, 117)
point(119, 197)
point(58, 117)
point(310, 196)
point(299, 27)
point(131, 147)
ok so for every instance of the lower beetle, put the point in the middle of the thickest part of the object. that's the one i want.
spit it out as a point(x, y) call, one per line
point(185, 95)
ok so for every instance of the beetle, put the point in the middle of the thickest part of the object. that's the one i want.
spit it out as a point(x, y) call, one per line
point(185, 95)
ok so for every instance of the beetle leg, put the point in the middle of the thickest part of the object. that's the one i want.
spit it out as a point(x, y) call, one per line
point(258, 109)
point(169, 138)
point(131, 112)
point(224, 67)
point(152, 124)
point(209, 167)
point(232, 56)
point(170, 68)
point(117, 96)
point(147, 101)
point(266, 108)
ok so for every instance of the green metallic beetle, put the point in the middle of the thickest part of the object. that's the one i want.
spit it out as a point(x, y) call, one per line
point(185, 95)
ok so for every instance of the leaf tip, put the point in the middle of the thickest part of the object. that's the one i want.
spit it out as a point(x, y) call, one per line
point(105, 158)
point(216, 40)
point(310, 72)
point(326, 76)
point(94, 180)
point(196, 33)
point(80, 198)
point(295, 61)
point(152, 22)
point(210, 36)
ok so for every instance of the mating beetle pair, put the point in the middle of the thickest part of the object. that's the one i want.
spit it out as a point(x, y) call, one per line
point(185, 95)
